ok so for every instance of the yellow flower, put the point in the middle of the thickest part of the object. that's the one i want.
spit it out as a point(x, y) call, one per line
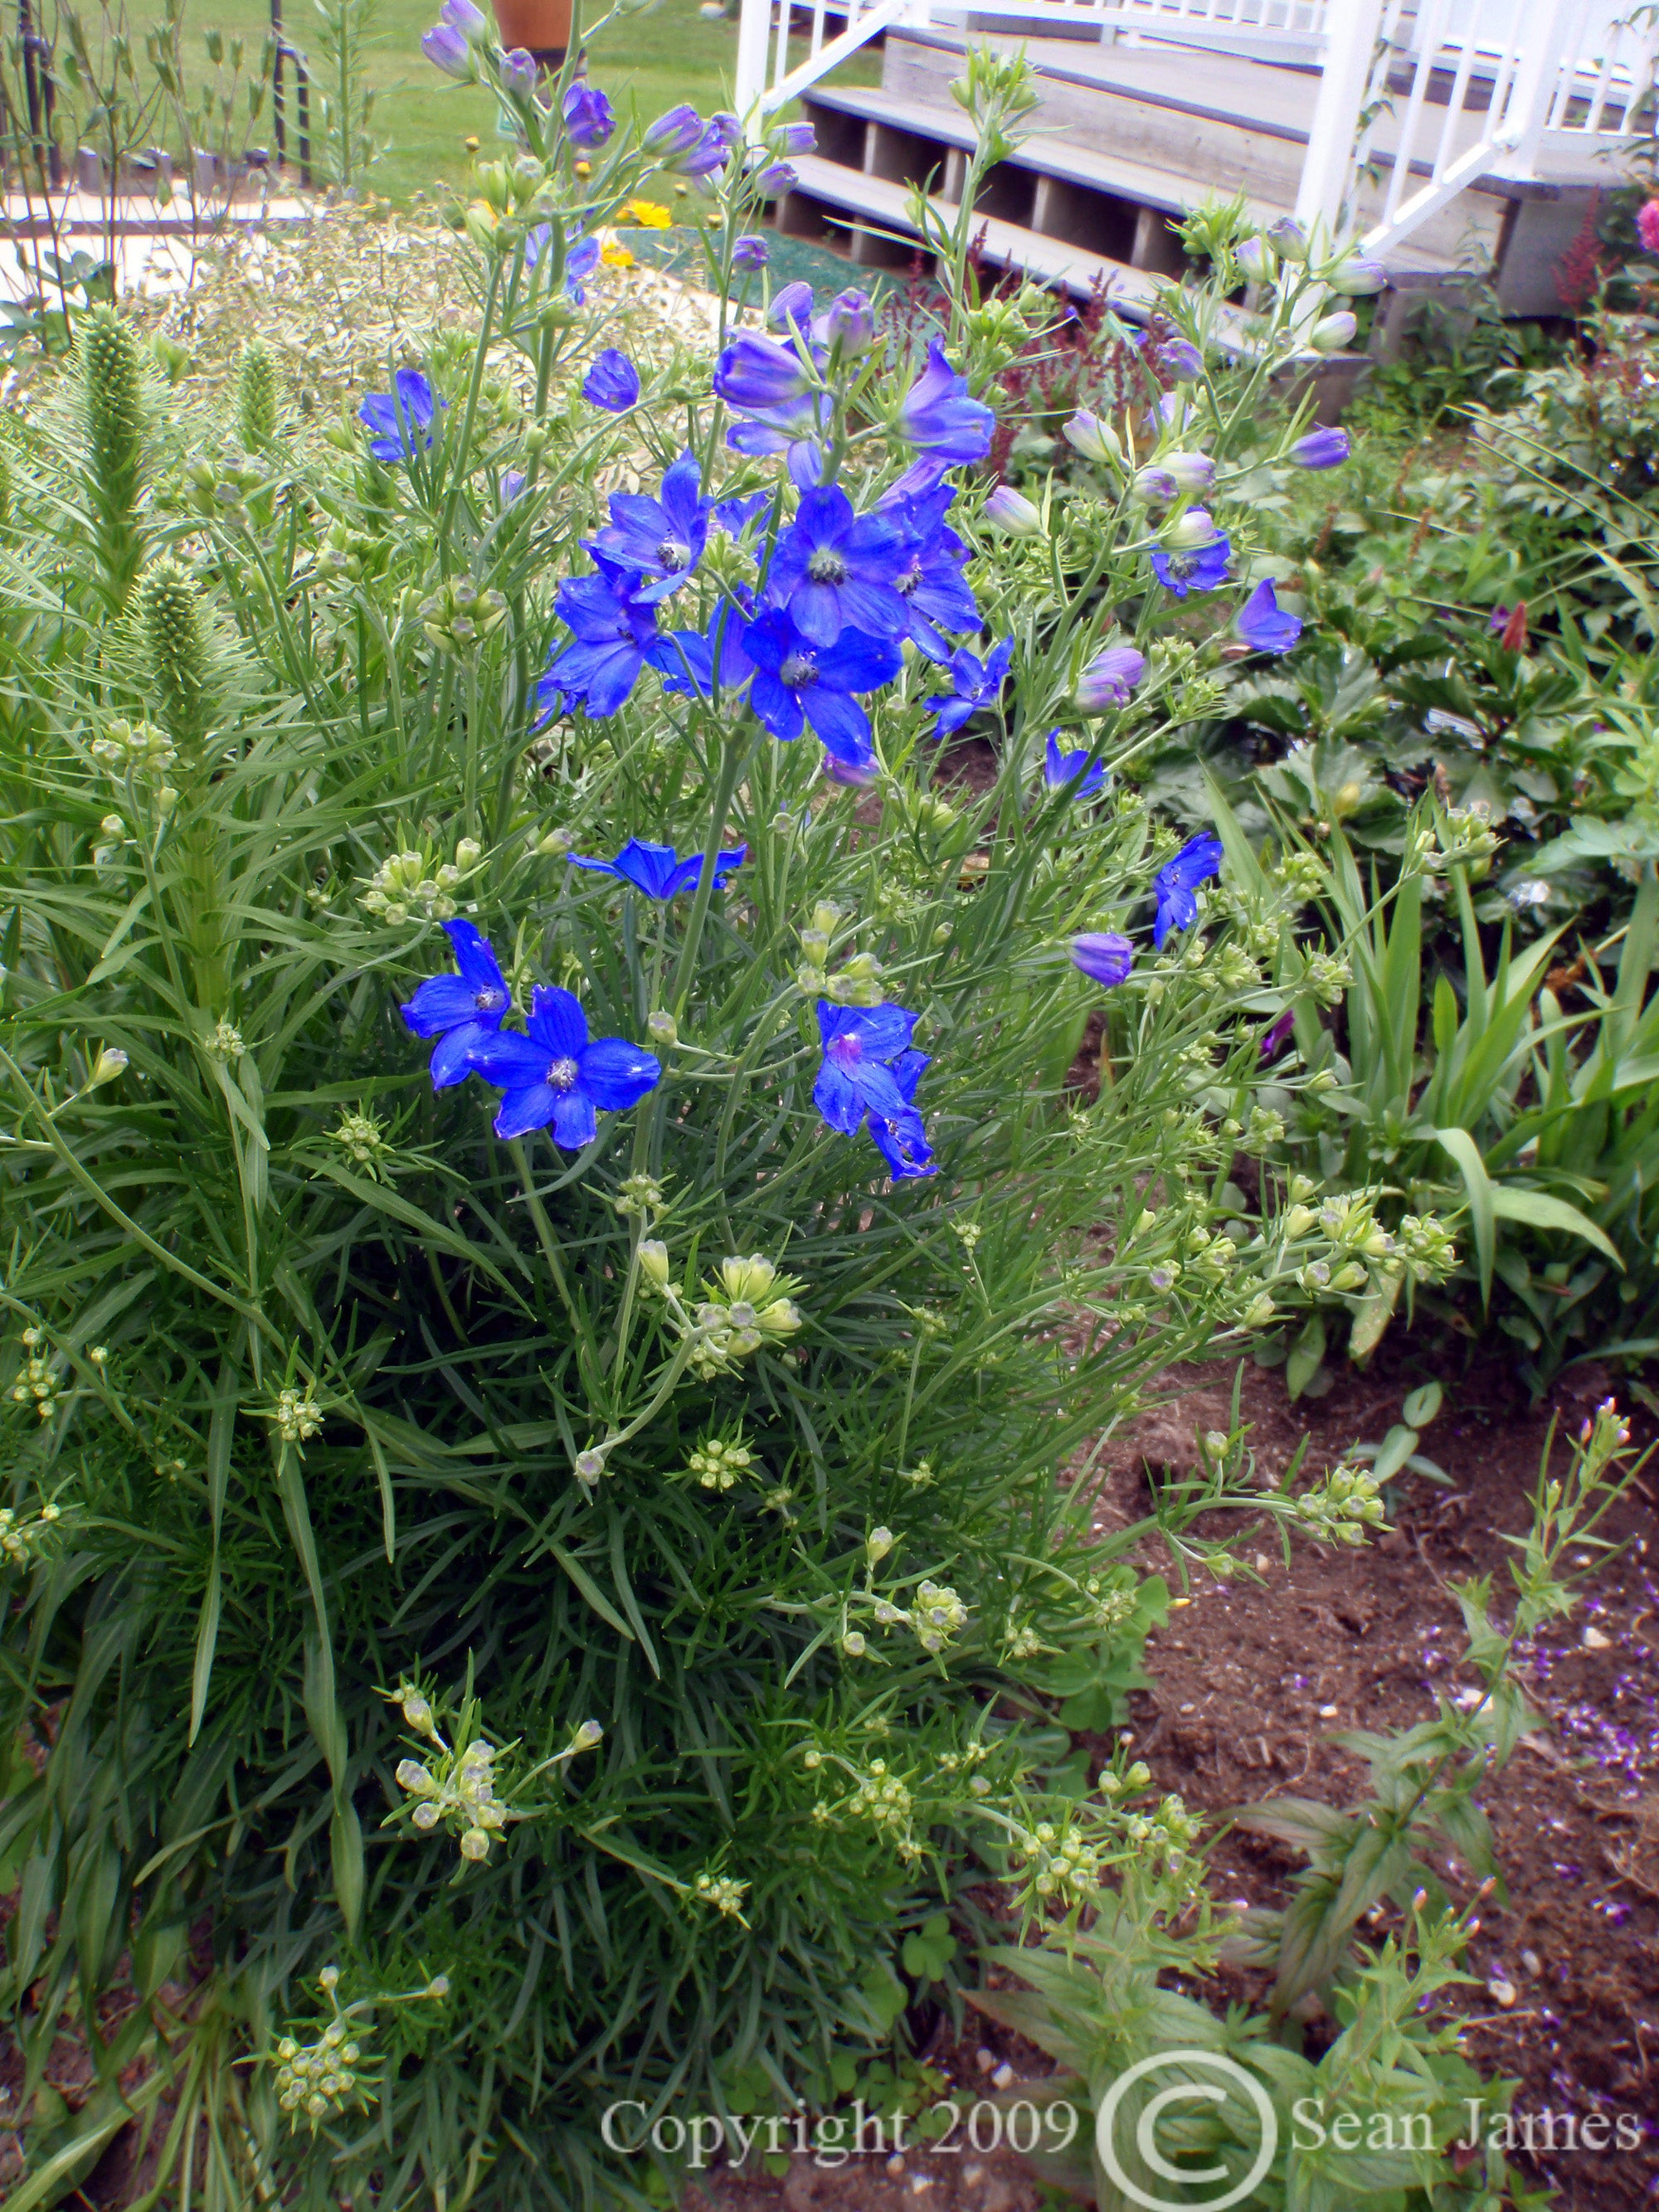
point(649, 216)
point(584, 169)
point(615, 256)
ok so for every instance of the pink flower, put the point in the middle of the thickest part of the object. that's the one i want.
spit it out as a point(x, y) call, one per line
point(1647, 225)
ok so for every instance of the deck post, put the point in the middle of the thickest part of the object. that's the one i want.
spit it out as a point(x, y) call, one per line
point(754, 30)
point(1351, 31)
point(1549, 24)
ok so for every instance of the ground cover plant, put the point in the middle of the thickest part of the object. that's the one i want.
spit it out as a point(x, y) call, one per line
point(551, 1203)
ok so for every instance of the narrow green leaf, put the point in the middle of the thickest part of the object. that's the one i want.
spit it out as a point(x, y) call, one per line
point(1470, 1165)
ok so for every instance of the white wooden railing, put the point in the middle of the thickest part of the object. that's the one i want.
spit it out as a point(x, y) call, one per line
point(1432, 92)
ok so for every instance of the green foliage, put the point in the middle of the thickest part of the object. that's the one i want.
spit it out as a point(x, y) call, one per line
point(615, 1587)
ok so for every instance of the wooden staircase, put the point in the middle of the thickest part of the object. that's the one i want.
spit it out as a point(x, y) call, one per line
point(1123, 141)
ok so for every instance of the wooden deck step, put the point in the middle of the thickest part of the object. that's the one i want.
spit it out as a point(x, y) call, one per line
point(1253, 139)
point(1068, 159)
point(879, 205)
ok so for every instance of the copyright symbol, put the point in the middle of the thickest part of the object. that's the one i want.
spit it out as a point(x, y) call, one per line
point(1201, 2076)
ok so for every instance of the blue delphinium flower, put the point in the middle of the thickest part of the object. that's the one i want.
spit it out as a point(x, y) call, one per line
point(553, 1076)
point(1061, 770)
point(833, 569)
point(659, 871)
point(686, 659)
point(662, 538)
point(1264, 625)
point(613, 632)
point(771, 387)
point(903, 1143)
point(1176, 882)
point(937, 595)
point(937, 415)
point(459, 1010)
point(581, 258)
point(612, 383)
point(1322, 449)
point(1198, 569)
point(750, 251)
point(976, 683)
point(1104, 956)
point(402, 418)
point(673, 134)
point(735, 515)
point(791, 306)
point(447, 49)
point(755, 374)
point(859, 1081)
point(589, 119)
point(798, 683)
point(1108, 679)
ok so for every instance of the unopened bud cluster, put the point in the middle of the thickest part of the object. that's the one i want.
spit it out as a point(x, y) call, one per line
point(718, 1465)
point(297, 1415)
point(407, 882)
point(748, 1307)
point(37, 1384)
point(316, 2081)
point(1342, 1508)
point(722, 1892)
point(134, 748)
point(22, 1541)
point(458, 617)
point(362, 1139)
point(463, 1791)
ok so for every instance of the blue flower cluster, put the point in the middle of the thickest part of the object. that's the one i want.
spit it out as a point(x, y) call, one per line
point(553, 1075)
point(840, 592)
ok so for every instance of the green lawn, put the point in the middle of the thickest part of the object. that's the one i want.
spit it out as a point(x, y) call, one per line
point(649, 62)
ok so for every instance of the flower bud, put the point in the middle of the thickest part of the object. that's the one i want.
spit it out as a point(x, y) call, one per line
point(554, 845)
point(653, 1262)
point(1010, 510)
point(662, 1029)
point(1321, 449)
point(1332, 332)
point(853, 1644)
point(519, 72)
point(468, 852)
point(1358, 279)
point(1196, 528)
point(849, 326)
point(1289, 238)
point(1258, 261)
point(1108, 679)
point(877, 1544)
point(1095, 440)
point(108, 1064)
point(1192, 471)
point(588, 1466)
point(792, 304)
point(1156, 485)
point(475, 1844)
point(589, 1734)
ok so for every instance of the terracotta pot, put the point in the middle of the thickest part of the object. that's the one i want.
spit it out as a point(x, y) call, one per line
point(543, 26)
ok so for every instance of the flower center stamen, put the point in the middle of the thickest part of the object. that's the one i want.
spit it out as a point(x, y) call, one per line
point(798, 668)
point(673, 555)
point(847, 1051)
point(826, 566)
point(562, 1075)
point(489, 999)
